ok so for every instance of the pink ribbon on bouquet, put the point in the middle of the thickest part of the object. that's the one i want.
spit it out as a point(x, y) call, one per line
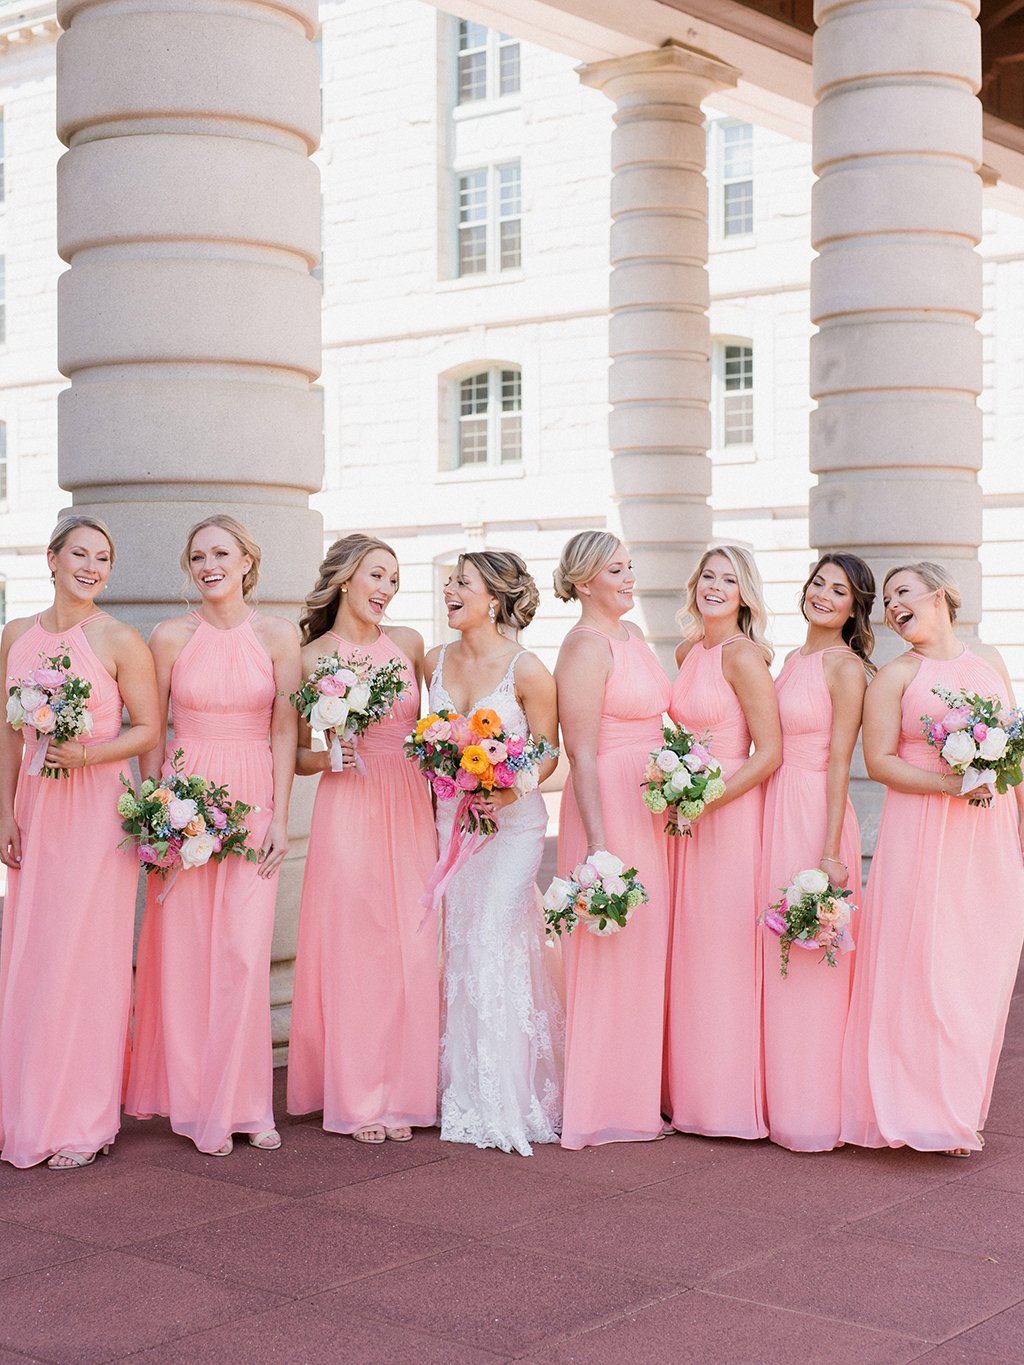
point(168, 885)
point(980, 781)
point(38, 759)
point(338, 758)
point(462, 844)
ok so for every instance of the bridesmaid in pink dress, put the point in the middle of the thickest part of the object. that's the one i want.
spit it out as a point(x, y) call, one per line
point(941, 928)
point(809, 822)
point(364, 1035)
point(713, 1064)
point(612, 694)
point(66, 950)
point(202, 1051)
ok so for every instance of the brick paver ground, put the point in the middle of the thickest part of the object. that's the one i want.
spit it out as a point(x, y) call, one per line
point(677, 1251)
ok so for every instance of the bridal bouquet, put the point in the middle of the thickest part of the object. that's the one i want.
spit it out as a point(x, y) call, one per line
point(813, 915)
point(682, 774)
point(465, 758)
point(601, 893)
point(344, 697)
point(54, 702)
point(980, 740)
point(182, 821)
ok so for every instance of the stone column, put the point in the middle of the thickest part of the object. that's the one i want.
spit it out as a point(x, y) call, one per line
point(188, 323)
point(659, 339)
point(896, 290)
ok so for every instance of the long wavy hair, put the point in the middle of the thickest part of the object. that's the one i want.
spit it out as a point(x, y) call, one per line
point(339, 564)
point(753, 614)
point(857, 631)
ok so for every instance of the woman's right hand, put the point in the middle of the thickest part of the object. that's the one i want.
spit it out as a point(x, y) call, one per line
point(10, 842)
point(348, 752)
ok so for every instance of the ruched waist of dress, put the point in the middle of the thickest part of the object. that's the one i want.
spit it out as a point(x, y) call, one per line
point(642, 735)
point(806, 752)
point(382, 740)
point(921, 754)
point(212, 728)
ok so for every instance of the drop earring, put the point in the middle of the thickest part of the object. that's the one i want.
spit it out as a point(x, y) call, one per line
point(490, 614)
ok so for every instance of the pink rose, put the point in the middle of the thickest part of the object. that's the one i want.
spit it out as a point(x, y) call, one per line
point(438, 732)
point(462, 733)
point(938, 732)
point(495, 750)
point(466, 781)
point(701, 754)
point(181, 812)
point(148, 854)
point(980, 731)
point(444, 788)
point(957, 719)
point(346, 677)
point(585, 875)
point(218, 844)
point(217, 817)
point(49, 678)
point(775, 923)
point(503, 775)
point(615, 886)
point(515, 746)
point(331, 686)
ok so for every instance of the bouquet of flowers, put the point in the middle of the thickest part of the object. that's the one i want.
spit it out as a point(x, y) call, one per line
point(182, 821)
point(980, 740)
point(601, 892)
point(465, 758)
point(346, 696)
point(55, 703)
point(682, 774)
point(813, 915)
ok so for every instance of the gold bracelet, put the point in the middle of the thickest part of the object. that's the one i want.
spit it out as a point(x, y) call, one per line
point(85, 755)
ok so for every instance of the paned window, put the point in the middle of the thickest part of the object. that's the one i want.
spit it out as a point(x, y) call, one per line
point(489, 430)
point(490, 219)
point(488, 63)
point(3, 461)
point(731, 177)
point(2, 157)
point(733, 371)
point(3, 299)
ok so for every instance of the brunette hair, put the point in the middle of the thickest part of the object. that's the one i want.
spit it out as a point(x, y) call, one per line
point(66, 525)
point(583, 557)
point(934, 577)
point(339, 564)
point(242, 537)
point(857, 631)
point(506, 576)
point(753, 614)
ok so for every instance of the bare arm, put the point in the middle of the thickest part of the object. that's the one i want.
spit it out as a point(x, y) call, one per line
point(846, 681)
point(11, 747)
point(535, 688)
point(309, 761)
point(581, 675)
point(746, 672)
point(993, 657)
point(882, 719)
point(165, 644)
point(281, 642)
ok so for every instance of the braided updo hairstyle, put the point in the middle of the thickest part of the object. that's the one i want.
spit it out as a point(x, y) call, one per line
point(506, 578)
point(340, 563)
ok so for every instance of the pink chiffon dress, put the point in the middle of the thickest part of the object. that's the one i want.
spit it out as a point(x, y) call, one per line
point(804, 1012)
point(365, 1017)
point(713, 1065)
point(938, 944)
point(615, 986)
point(202, 1045)
point(66, 946)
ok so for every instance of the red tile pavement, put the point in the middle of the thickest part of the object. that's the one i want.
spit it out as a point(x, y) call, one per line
point(687, 1250)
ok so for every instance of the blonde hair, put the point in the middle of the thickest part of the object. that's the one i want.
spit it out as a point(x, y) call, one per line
point(934, 577)
point(339, 564)
point(506, 576)
point(70, 523)
point(583, 558)
point(753, 614)
point(242, 537)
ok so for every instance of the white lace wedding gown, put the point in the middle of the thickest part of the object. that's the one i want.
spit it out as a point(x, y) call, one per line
point(503, 1026)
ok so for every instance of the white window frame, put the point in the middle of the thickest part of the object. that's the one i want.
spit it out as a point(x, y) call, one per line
point(731, 451)
point(718, 182)
point(494, 417)
point(493, 46)
point(492, 220)
point(5, 465)
point(3, 155)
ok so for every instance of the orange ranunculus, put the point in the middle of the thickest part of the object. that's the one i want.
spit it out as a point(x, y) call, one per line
point(486, 723)
point(475, 761)
point(194, 827)
point(425, 723)
point(162, 795)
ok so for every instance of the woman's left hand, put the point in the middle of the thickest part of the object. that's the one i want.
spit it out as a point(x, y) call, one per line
point(837, 872)
point(70, 754)
point(501, 797)
point(275, 846)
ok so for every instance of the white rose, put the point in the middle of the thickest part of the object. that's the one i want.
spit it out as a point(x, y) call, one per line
point(667, 761)
point(31, 697)
point(692, 762)
point(594, 926)
point(556, 897)
point(614, 886)
point(358, 697)
point(993, 746)
point(959, 749)
point(811, 882)
point(606, 864)
point(328, 713)
point(86, 723)
point(181, 813)
point(678, 781)
point(15, 711)
point(793, 894)
point(526, 780)
point(197, 851)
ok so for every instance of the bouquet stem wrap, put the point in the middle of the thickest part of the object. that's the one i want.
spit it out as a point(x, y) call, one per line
point(338, 758)
point(38, 759)
point(462, 844)
point(172, 878)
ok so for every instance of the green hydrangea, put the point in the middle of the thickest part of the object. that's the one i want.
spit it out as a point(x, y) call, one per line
point(714, 789)
point(654, 801)
point(148, 787)
point(634, 898)
point(689, 810)
point(127, 806)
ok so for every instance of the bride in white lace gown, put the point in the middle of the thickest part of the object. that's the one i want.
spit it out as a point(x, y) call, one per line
point(503, 1023)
